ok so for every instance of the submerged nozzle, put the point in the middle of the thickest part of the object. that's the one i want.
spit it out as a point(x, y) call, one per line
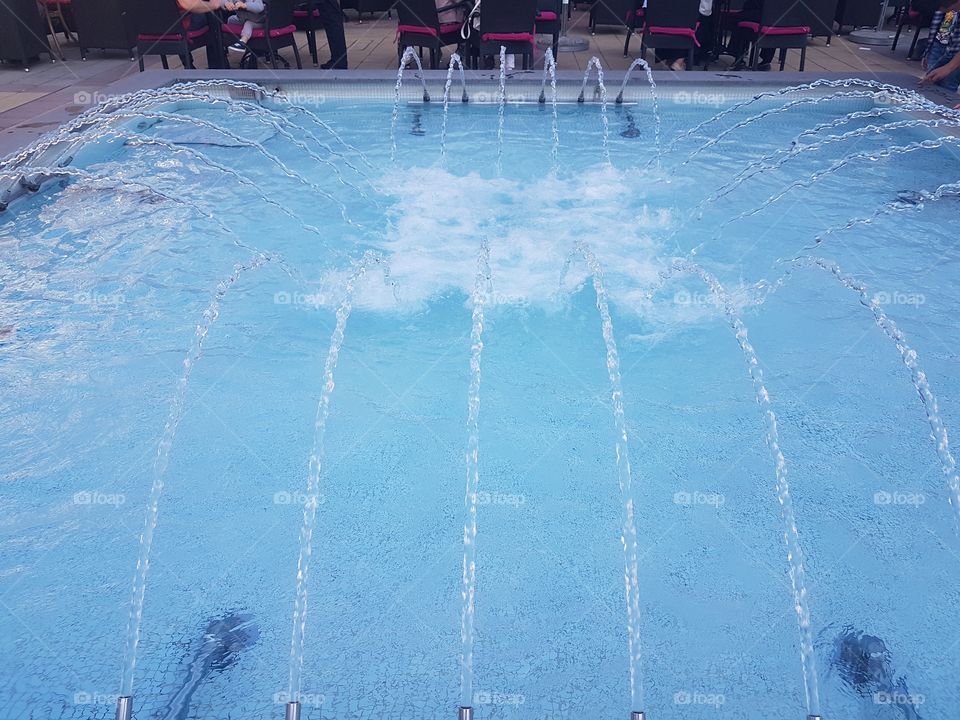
point(580, 99)
point(465, 713)
point(814, 717)
point(543, 98)
point(426, 96)
point(638, 715)
point(619, 99)
point(124, 707)
point(293, 711)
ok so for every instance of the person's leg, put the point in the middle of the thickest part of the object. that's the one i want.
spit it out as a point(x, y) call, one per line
point(331, 17)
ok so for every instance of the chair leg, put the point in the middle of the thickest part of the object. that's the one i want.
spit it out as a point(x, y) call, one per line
point(139, 57)
point(896, 38)
point(803, 58)
point(556, 44)
point(783, 59)
point(913, 45)
point(626, 44)
point(690, 59)
point(754, 56)
point(312, 45)
point(296, 51)
point(163, 61)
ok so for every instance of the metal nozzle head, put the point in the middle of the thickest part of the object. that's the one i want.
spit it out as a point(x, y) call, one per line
point(638, 715)
point(293, 711)
point(124, 707)
point(814, 717)
point(619, 100)
point(465, 713)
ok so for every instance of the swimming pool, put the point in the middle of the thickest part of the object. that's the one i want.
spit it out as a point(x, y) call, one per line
point(168, 318)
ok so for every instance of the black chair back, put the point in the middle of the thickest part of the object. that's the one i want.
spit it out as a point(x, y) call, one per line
point(280, 13)
point(785, 13)
point(151, 17)
point(613, 12)
point(104, 24)
point(507, 16)
point(673, 13)
point(22, 31)
point(820, 16)
point(419, 13)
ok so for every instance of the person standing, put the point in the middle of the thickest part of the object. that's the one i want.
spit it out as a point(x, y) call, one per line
point(331, 17)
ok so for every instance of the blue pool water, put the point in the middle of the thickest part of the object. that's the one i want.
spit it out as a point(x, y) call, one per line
point(101, 292)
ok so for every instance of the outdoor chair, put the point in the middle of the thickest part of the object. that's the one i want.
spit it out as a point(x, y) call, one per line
point(783, 26)
point(163, 29)
point(278, 32)
point(22, 32)
point(670, 25)
point(509, 24)
point(419, 26)
point(104, 24)
point(549, 22)
point(918, 14)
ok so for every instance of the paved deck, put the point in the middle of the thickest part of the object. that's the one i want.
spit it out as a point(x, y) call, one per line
point(34, 102)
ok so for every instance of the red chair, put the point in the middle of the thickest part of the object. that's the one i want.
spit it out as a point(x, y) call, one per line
point(419, 26)
point(278, 32)
point(670, 25)
point(783, 26)
point(548, 21)
point(509, 24)
point(918, 16)
point(164, 29)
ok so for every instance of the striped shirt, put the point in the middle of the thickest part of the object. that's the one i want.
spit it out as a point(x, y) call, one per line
point(949, 37)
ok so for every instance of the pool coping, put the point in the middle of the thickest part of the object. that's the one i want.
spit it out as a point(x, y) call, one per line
point(316, 86)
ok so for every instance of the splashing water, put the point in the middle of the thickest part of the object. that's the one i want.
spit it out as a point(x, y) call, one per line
point(455, 63)
point(468, 593)
point(602, 90)
point(313, 476)
point(502, 100)
point(912, 362)
point(550, 70)
point(628, 537)
point(640, 62)
point(408, 55)
point(139, 586)
point(790, 534)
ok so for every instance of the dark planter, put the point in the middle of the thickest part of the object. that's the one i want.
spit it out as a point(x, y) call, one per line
point(23, 34)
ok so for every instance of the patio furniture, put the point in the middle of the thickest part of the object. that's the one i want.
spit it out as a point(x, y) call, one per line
point(509, 24)
point(104, 24)
point(549, 21)
point(164, 29)
point(857, 13)
point(306, 17)
point(55, 14)
point(419, 26)
point(669, 25)
point(612, 12)
point(22, 32)
point(278, 32)
point(821, 18)
point(918, 14)
point(782, 26)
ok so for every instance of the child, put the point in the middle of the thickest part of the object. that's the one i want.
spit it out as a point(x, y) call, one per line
point(253, 15)
point(941, 63)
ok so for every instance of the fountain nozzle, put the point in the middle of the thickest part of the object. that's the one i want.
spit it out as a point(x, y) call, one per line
point(619, 100)
point(814, 717)
point(638, 715)
point(580, 99)
point(293, 711)
point(124, 707)
point(426, 96)
point(465, 713)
